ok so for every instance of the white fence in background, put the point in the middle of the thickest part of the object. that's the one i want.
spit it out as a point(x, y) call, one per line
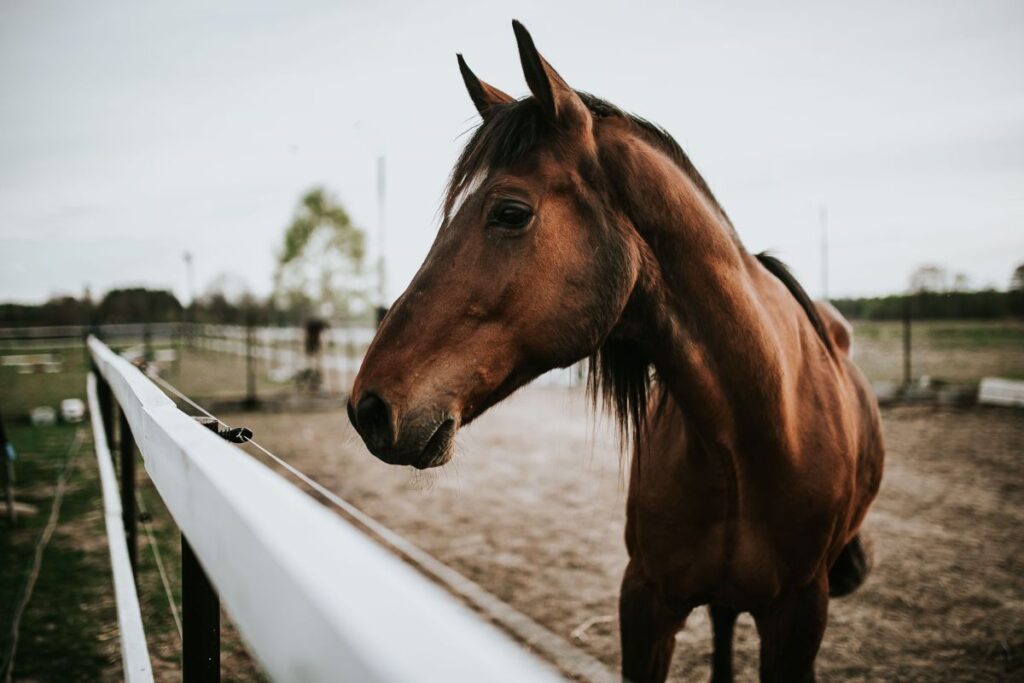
point(344, 348)
point(279, 349)
point(313, 598)
point(282, 347)
point(73, 336)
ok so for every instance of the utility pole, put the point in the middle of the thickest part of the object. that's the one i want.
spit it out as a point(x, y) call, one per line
point(823, 218)
point(382, 301)
point(190, 315)
point(187, 256)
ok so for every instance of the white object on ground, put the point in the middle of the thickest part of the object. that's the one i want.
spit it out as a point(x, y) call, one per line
point(997, 391)
point(72, 410)
point(44, 416)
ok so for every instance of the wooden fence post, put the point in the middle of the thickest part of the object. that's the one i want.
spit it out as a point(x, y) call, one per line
point(106, 402)
point(8, 475)
point(200, 621)
point(200, 616)
point(906, 341)
point(128, 515)
point(147, 342)
point(251, 400)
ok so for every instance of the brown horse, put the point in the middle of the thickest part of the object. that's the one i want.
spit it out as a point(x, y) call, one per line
point(572, 230)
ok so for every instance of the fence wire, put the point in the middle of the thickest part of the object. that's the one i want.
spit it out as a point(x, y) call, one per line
point(565, 656)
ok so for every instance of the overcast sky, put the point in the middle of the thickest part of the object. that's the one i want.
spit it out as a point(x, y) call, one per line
point(132, 132)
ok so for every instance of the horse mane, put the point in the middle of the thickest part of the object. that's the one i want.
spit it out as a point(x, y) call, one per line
point(514, 130)
point(781, 271)
point(619, 373)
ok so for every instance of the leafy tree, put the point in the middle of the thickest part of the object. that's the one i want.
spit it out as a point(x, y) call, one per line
point(60, 310)
point(1017, 280)
point(138, 305)
point(320, 267)
point(1016, 294)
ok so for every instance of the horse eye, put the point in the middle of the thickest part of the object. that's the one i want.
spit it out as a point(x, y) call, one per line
point(510, 215)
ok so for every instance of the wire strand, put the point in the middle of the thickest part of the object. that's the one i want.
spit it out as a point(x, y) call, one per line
point(174, 390)
point(147, 525)
point(557, 650)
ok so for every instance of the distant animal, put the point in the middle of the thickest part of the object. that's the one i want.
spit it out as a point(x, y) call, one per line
point(572, 229)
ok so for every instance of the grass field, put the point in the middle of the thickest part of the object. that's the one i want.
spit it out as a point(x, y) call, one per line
point(957, 351)
point(20, 393)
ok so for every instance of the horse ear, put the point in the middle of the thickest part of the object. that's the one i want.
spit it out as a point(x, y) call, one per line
point(484, 96)
point(553, 93)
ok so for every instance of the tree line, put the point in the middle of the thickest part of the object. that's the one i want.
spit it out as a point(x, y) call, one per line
point(136, 305)
point(988, 303)
point(139, 305)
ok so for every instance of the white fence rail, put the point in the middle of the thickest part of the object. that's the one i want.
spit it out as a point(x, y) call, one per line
point(134, 652)
point(313, 598)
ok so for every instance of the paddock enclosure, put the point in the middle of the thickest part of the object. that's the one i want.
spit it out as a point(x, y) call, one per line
point(542, 529)
point(531, 511)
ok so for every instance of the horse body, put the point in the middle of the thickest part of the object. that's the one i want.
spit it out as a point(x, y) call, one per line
point(738, 529)
point(755, 468)
point(572, 229)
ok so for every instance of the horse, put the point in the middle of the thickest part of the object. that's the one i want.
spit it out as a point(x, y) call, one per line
point(573, 230)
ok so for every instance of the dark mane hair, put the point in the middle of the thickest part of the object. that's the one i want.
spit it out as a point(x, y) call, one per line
point(619, 372)
point(779, 270)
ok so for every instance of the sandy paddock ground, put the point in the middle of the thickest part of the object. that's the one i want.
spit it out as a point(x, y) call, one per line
point(532, 508)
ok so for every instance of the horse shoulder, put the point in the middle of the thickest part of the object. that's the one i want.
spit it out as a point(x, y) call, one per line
point(838, 327)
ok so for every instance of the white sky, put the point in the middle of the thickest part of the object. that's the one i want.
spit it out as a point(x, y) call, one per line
point(131, 132)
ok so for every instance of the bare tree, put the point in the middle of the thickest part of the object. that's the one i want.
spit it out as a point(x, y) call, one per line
point(929, 277)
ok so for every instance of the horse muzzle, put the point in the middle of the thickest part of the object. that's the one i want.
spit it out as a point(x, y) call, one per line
point(412, 439)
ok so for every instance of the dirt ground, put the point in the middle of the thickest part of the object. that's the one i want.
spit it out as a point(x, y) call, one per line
point(532, 509)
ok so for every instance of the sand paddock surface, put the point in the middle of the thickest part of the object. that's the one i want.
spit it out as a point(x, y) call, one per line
point(532, 508)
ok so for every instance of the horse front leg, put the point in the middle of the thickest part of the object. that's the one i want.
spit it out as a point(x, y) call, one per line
point(723, 621)
point(791, 628)
point(647, 629)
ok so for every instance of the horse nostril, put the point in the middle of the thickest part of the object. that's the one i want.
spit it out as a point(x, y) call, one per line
point(373, 419)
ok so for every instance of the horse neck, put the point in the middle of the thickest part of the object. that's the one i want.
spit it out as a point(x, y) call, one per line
point(697, 310)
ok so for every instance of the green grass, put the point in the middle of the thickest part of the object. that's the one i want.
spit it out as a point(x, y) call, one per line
point(71, 613)
point(963, 334)
point(19, 393)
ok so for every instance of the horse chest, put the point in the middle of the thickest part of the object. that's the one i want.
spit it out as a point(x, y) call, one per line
point(706, 533)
